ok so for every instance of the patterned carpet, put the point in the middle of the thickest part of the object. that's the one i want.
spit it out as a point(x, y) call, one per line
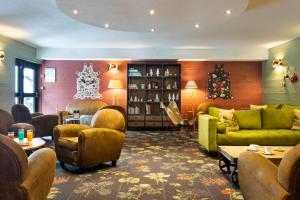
point(153, 166)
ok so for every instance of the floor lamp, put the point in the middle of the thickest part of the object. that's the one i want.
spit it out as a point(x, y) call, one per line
point(191, 85)
point(115, 84)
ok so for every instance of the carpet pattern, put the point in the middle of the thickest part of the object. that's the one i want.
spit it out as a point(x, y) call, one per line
point(153, 165)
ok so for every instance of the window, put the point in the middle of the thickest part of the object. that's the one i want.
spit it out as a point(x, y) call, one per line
point(26, 84)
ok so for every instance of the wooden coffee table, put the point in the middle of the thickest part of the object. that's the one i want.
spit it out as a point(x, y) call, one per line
point(229, 157)
point(36, 143)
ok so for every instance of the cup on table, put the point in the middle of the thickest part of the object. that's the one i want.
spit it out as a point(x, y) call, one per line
point(253, 147)
point(267, 150)
point(29, 135)
point(11, 135)
point(21, 135)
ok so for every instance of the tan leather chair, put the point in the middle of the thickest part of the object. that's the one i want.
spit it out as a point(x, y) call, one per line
point(85, 146)
point(85, 107)
point(22, 179)
point(260, 179)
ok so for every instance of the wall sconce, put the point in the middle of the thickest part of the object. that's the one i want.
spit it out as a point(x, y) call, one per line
point(113, 67)
point(277, 63)
point(279, 66)
point(2, 55)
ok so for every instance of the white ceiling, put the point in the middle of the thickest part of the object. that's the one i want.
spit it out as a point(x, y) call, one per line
point(264, 23)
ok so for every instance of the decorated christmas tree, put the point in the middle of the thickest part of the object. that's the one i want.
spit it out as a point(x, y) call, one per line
point(87, 83)
point(219, 84)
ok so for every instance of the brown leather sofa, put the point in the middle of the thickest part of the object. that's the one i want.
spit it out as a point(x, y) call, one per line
point(7, 124)
point(22, 178)
point(43, 124)
point(260, 179)
point(85, 107)
point(85, 146)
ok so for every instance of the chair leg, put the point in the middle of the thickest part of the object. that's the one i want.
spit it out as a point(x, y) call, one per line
point(114, 163)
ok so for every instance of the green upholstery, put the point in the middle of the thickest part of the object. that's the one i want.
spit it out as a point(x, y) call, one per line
point(277, 118)
point(276, 137)
point(286, 106)
point(213, 111)
point(207, 132)
point(273, 106)
point(248, 119)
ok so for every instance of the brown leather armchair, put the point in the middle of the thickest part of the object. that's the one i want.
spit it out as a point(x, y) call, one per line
point(43, 124)
point(260, 179)
point(22, 178)
point(7, 124)
point(85, 146)
point(85, 107)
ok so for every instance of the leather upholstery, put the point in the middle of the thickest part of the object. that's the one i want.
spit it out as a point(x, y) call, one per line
point(100, 143)
point(23, 179)
point(7, 124)
point(86, 107)
point(43, 124)
point(260, 179)
point(118, 108)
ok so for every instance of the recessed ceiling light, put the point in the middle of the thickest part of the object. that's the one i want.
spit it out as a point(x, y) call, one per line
point(152, 30)
point(75, 12)
point(106, 25)
point(197, 25)
point(228, 12)
point(152, 12)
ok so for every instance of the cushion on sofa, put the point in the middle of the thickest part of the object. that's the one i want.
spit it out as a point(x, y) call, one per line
point(277, 118)
point(271, 137)
point(274, 106)
point(296, 122)
point(248, 119)
point(256, 107)
point(229, 119)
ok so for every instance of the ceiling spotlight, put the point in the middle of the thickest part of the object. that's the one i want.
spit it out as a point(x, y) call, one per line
point(152, 12)
point(75, 12)
point(106, 25)
point(152, 30)
point(228, 12)
point(197, 25)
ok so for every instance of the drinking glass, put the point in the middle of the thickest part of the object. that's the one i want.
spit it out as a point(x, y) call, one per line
point(29, 135)
point(21, 135)
point(11, 135)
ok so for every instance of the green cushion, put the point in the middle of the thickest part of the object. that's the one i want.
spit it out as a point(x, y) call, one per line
point(272, 137)
point(213, 111)
point(248, 119)
point(286, 106)
point(221, 128)
point(277, 118)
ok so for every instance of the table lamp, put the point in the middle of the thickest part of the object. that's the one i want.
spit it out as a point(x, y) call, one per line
point(191, 85)
point(115, 84)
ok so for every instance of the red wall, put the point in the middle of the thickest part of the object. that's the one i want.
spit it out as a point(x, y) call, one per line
point(245, 83)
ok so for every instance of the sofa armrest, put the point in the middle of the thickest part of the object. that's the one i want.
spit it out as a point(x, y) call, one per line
point(68, 130)
point(41, 172)
point(62, 115)
point(99, 144)
point(44, 124)
point(258, 178)
point(207, 132)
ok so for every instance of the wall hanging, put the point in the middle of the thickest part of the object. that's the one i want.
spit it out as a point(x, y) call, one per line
point(219, 84)
point(88, 83)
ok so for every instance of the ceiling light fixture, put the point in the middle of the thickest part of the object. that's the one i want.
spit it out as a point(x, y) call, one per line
point(228, 12)
point(152, 30)
point(152, 12)
point(106, 25)
point(197, 25)
point(75, 12)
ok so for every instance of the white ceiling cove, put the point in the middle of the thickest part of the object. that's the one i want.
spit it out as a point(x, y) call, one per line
point(246, 34)
point(170, 15)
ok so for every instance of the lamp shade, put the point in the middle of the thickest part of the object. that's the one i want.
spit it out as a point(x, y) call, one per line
point(191, 85)
point(115, 84)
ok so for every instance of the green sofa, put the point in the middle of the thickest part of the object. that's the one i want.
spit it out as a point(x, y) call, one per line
point(272, 127)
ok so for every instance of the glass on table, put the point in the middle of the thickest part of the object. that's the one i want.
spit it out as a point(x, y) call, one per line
point(21, 135)
point(11, 135)
point(29, 135)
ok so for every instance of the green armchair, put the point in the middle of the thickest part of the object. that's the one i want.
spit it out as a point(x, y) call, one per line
point(85, 146)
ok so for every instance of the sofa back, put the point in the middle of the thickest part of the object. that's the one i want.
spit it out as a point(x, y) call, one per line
point(85, 107)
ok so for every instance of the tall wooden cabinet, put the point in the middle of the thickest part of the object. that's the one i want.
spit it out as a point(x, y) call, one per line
point(147, 86)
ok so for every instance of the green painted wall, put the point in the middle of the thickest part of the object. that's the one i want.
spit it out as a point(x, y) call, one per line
point(13, 50)
point(273, 91)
